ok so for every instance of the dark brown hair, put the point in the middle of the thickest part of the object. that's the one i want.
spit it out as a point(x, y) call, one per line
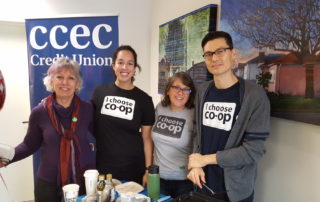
point(186, 80)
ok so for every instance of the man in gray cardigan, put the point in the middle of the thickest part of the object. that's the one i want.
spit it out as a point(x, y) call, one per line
point(232, 123)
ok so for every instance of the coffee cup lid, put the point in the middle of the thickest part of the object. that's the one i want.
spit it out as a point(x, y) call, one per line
point(71, 187)
point(91, 172)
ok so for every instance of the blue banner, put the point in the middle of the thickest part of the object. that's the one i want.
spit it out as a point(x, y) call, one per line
point(88, 40)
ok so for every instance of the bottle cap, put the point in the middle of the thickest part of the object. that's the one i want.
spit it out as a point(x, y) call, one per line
point(101, 177)
point(153, 169)
point(109, 176)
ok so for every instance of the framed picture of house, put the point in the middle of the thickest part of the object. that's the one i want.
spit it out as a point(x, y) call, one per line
point(180, 45)
point(278, 45)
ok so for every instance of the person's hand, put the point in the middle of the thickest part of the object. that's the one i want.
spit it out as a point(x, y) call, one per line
point(197, 176)
point(3, 163)
point(145, 179)
point(196, 160)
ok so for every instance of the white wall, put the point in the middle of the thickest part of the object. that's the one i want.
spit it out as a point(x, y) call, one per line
point(134, 26)
point(13, 64)
point(290, 171)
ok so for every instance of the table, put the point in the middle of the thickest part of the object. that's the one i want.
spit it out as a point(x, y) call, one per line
point(144, 192)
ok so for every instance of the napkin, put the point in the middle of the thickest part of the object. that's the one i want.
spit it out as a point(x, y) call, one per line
point(6, 152)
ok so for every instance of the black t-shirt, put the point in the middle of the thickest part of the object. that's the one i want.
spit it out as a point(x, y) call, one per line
point(119, 115)
point(220, 111)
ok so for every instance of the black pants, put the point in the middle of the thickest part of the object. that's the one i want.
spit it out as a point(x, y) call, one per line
point(175, 188)
point(46, 192)
point(223, 196)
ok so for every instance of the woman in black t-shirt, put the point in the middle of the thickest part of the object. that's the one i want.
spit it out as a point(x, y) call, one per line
point(124, 116)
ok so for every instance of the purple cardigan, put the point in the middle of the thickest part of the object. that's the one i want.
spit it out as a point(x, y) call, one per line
point(42, 134)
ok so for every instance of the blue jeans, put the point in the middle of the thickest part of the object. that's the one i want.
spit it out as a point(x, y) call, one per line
point(175, 188)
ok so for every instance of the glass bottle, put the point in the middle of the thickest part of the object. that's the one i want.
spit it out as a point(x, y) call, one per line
point(108, 192)
point(100, 186)
point(153, 186)
point(109, 179)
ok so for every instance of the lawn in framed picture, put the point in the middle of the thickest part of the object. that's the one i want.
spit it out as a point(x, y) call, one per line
point(278, 46)
point(180, 45)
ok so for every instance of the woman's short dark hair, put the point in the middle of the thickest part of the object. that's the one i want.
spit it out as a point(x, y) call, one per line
point(128, 48)
point(186, 80)
point(216, 35)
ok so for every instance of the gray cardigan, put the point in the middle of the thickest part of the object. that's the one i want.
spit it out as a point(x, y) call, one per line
point(245, 145)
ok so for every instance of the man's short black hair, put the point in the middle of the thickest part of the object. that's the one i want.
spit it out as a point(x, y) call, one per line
point(215, 35)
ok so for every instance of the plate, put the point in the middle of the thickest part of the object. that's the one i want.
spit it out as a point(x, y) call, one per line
point(133, 197)
point(129, 187)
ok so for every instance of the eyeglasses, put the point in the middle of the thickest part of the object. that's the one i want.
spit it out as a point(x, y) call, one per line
point(183, 90)
point(219, 53)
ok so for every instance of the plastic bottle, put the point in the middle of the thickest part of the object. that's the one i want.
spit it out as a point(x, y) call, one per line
point(100, 186)
point(153, 182)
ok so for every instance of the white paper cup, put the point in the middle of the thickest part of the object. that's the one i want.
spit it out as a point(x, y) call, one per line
point(70, 192)
point(91, 180)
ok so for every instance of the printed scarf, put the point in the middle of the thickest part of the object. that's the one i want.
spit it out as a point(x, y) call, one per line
point(68, 138)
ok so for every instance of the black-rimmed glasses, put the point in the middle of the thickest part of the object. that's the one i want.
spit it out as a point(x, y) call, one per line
point(219, 53)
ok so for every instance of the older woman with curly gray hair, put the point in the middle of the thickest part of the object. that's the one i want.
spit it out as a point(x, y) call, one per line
point(66, 64)
point(59, 125)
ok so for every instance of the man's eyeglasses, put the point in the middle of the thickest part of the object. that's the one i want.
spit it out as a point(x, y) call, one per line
point(183, 90)
point(219, 53)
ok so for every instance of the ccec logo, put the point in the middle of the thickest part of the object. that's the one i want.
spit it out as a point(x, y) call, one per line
point(76, 32)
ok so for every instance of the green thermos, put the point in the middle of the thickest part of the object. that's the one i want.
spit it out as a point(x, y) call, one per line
point(153, 182)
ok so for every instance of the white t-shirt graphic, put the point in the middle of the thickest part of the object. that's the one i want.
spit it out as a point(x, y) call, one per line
point(119, 107)
point(218, 115)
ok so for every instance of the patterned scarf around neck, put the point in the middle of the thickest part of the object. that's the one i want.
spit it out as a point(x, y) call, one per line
point(68, 138)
